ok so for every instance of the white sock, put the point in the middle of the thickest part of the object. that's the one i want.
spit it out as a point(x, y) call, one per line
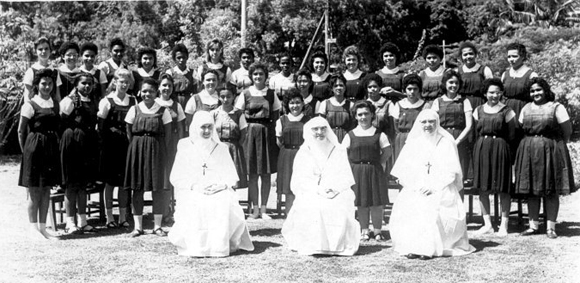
point(82, 220)
point(534, 224)
point(504, 223)
point(138, 222)
point(70, 221)
point(34, 226)
point(487, 220)
point(157, 218)
point(551, 225)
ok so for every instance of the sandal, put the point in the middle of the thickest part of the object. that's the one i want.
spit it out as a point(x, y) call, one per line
point(365, 236)
point(124, 224)
point(136, 233)
point(75, 230)
point(112, 225)
point(379, 237)
point(159, 232)
point(90, 229)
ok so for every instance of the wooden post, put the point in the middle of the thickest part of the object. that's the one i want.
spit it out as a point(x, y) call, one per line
point(444, 67)
point(326, 29)
point(244, 22)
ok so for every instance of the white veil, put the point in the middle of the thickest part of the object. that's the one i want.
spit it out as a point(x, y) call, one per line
point(201, 118)
point(318, 121)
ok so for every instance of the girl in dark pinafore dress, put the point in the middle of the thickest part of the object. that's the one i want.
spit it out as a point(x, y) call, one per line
point(230, 125)
point(147, 63)
point(391, 75)
point(353, 75)
point(261, 108)
point(472, 74)
point(336, 109)
point(147, 126)
point(543, 165)
point(455, 116)
point(492, 159)
point(405, 111)
point(320, 77)
point(304, 86)
point(206, 99)
point(79, 151)
point(289, 137)
point(432, 75)
point(38, 137)
point(166, 87)
point(68, 71)
point(516, 78)
point(112, 128)
point(368, 151)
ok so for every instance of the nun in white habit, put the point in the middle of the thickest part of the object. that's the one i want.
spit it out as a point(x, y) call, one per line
point(322, 219)
point(209, 222)
point(428, 217)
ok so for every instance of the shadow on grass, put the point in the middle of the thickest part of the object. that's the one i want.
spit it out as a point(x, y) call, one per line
point(568, 229)
point(480, 245)
point(371, 249)
point(266, 232)
point(259, 247)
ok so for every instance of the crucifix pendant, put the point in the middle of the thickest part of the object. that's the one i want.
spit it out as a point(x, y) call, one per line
point(428, 165)
point(204, 166)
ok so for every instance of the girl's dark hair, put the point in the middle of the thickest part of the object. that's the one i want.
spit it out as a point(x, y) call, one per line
point(255, 66)
point(520, 48)
point(246, 50)
point(116, 41)
point(42, 40)
point(447, 76)
point(67, 46)
point(228, 86)
point(166, 76)
point(548, 93)
point(466, 44)
point(83, 75)
point(363, 104)
point(413, 79)
point(433, 49)
point(44, 73)
point(210, 71)
point(491, 82)
point(294, 93)
point(390, 47)
point(306, 73)
point(179, 48)
point(89, 46)
point(143, 51)
point(370, 78)
point(152, 82)
point(334, 78)
point(321, 55)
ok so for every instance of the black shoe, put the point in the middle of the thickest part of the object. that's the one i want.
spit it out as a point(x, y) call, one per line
point(412, 256)
point(159, 232)
point(468, 183)
point(424, 257)
point(550, 233)
point(530, 231)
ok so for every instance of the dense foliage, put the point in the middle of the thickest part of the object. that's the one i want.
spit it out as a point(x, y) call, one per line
point(279, 26)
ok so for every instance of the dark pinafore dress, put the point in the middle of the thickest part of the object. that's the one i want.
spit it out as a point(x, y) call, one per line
point(472, 83)
point(516, 95)
point(543, 165)
point(67, 82)
point(79, 148)
point(321, 90)
point(452, 119)
point(96, 92)
point(491, 152)
point(339, 118)
point(292, 140)
point(407, 117)
point(146, 154)
point(181, 93)
point(228, 129)
point(40, 166)
point(355, 89)
point(364, 154)
point(395, 81)
point(431, 87)
point(139, 81)
point(260, 148)
point(172, 147)
point(115, 143)
point(200, 106)
point(310, 108)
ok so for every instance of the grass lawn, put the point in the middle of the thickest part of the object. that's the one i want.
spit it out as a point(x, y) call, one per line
point(110, 256)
